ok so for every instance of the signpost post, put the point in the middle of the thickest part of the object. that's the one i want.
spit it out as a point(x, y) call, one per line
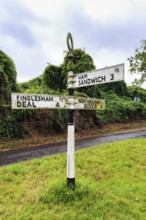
point(34, 101)
point(71, 127)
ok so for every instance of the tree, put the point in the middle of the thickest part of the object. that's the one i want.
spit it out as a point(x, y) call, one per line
point(53, 77)
point(7, 78)
point(138, 63)
point(11, 121)
point(82, 62)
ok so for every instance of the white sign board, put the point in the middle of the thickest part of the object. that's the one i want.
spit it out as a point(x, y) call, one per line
point(36, 101)
point(89, 104)
point(100, 76)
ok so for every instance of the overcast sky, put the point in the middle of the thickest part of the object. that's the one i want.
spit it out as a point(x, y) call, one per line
point(33, 32)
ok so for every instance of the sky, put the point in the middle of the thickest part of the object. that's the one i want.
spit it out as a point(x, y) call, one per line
point(33, 32)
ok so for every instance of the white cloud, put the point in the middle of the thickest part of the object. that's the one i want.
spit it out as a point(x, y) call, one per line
point(109, 57)
point(115, 11)
point(33, 32)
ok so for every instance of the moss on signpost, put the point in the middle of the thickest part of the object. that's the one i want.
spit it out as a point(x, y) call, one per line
point(70, 64)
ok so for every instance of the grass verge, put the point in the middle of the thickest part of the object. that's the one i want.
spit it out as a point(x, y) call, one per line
point(111, 184)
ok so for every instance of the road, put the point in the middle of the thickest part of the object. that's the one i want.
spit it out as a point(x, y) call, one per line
point(17, 155)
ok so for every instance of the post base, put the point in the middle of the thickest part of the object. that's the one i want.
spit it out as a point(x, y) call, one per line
point(71, 183)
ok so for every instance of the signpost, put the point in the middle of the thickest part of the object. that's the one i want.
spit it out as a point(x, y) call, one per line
point(35, 101)
point(100, 76)
point(89, 104)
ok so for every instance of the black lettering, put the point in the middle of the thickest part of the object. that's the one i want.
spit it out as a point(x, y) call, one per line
point(35, 98)
point(57, 105)
point(117, 69)
point(90, 106)
point(29, 104)
point(85, 76)
point(28, 98)
point(39, 98)
point(88, 81)
point(43, 98)
point(33, 105)
point(18, 104)
point(93, 80)
point(112, 77)
point(81, 101)
point(23, 98)
point(24, 104)
point(82, 77)
point(101, 78)
point(81, 82)
point(51, 98)
point(104, 78)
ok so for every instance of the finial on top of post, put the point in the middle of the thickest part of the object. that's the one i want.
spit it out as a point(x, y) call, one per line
point(70, 42)
point(70, 56)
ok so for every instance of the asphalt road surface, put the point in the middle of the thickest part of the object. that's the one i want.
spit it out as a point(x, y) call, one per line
point(16, 155)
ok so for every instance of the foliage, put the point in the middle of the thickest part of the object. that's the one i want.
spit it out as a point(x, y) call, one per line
point(121, 109)
point(82, 62)
point(12, 124)
point(138, 63)
point(119, 100)
point(7, 78)
point(53, 77)
point(33, 83)
point(99, 91)
point(111, 175)
point(136, 91)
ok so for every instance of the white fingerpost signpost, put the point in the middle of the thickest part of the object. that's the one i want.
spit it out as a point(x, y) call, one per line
point(70, 102)
point(100, 76)
point(42, 101)
point(71, 126)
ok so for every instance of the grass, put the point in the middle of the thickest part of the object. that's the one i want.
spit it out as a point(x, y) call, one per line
point(110, 185)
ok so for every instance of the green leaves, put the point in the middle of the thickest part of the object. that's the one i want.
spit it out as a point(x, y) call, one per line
point(138, 63)
point(53, 77)
point(7, 78)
